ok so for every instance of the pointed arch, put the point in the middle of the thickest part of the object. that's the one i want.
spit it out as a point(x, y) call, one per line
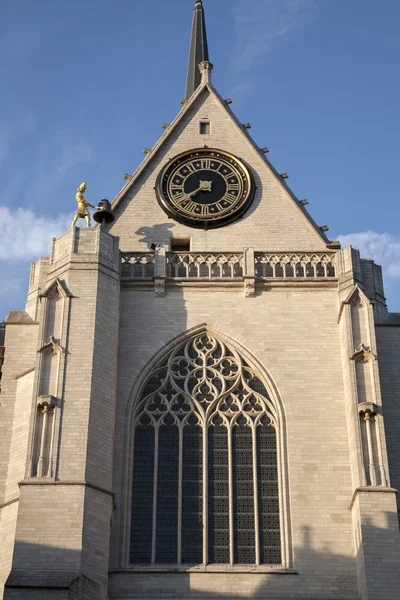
point(206, 381)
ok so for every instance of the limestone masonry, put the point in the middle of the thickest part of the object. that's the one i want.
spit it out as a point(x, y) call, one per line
point(200, 412)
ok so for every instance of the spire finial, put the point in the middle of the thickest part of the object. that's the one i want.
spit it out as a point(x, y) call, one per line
point(198, 49)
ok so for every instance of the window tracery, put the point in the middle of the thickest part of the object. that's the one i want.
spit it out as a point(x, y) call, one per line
point(205, 476)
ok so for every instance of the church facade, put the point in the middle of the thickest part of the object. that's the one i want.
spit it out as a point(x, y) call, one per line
point(201, 399)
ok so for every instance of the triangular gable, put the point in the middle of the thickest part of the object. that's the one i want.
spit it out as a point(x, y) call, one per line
point(162, 145)
point(150, 157)
point(59, 286)
point(356, 293)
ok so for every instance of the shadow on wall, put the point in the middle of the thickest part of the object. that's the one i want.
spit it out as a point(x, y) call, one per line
point(61, 579)
point(318, 575)
point(158, 234)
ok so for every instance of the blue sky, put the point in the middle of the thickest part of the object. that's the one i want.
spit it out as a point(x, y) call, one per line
point(87, 85)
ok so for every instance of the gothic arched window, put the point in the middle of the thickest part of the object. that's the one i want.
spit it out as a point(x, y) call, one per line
point(205, 476)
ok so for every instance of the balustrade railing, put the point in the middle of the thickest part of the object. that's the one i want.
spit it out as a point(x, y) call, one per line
point(230, 265)
point(209, 265)
point(294, 265)
point(138, 265)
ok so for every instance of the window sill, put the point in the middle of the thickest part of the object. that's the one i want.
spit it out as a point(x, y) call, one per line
point(262, 569)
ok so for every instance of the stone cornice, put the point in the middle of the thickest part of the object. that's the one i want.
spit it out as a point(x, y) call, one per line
point(224, 283)
point(371, 490)
point(69, 482)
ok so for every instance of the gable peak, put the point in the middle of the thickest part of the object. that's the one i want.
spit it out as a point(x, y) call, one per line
point(198, 53)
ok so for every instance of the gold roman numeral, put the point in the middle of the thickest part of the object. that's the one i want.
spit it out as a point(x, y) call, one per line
point(206, 164)
point(205, 210)
point(191, 167)
point(180, 198)
point(190, 206)
point(230, 198)
point(233, 186)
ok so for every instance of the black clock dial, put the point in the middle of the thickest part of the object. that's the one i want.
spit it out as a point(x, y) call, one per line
point(205, 187)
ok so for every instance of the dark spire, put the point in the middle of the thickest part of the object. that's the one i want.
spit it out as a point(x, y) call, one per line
point(198, 49)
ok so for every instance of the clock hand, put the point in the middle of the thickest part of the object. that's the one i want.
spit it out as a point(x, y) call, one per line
point(205, 186)
point(193, 193)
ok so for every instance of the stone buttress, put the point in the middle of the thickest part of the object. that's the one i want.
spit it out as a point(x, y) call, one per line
point(60, 433)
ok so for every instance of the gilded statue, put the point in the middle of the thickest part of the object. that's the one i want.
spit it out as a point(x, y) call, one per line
point(82, 210)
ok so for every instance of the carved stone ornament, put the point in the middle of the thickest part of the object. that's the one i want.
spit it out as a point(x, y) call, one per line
point(363, 353)
point(249, 287)
point(204, 378)
point(52, 345)
point(159, 287)
point(46, 400)
point(58, 286)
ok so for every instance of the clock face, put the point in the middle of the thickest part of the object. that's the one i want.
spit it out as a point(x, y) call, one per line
point(205, 188)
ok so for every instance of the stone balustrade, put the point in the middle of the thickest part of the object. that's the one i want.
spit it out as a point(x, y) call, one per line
point(274, 265)
point(228, 265)
point(209, 265)
point(138, 265)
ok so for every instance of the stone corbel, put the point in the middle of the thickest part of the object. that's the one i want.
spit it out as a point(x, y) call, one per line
point(52, 345)
point(47, 400)
point(159, 287)
point(249, 287)
point(249, 273)
point(368, 407)
point(363, 353)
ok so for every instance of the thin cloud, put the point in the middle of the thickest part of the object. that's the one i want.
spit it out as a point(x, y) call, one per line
point(262, 25)
point(52, 170)
point(25, 236)
point(55, 160)
point(13, 126)
point(383, 248)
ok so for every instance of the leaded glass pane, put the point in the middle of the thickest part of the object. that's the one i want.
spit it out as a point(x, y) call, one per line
point(268, 497)
point(218, 495)
point(142, 495)
point(243, 493)
point(192, 500)
point(167, 494)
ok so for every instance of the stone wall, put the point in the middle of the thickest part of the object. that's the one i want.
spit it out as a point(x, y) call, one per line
point(294, 334)
point(274, 222)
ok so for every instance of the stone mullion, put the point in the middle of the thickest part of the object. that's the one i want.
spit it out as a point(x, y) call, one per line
point(155, 486)
point(255, 484)
point(55, 434)
point(230, 485)
point(353, 421)
point(378, 417)
point(42, 450)
point(180, 491)
point(205, 492)
point(50, 466)
point(36, 387)
point(372, 471)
